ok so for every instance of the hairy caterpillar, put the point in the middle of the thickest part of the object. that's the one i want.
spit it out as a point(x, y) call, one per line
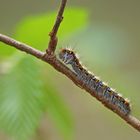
point(93, 83)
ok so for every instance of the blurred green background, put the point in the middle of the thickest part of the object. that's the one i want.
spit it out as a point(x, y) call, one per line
point(37, 102)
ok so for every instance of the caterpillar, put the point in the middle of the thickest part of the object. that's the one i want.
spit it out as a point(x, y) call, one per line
point(98, 87)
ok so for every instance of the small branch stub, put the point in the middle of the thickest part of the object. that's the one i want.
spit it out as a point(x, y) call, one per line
point(52, 45)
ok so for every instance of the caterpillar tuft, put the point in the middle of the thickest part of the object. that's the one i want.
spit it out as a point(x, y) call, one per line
point(98, 87)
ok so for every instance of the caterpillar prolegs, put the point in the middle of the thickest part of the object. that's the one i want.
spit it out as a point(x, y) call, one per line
point(93, 83)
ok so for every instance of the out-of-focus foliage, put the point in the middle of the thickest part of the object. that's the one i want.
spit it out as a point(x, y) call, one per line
point(22, 100)
point(34, 30)
point(59, 113)
point(24, 93)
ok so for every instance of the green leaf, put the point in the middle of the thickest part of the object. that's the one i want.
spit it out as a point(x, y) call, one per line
point(22, 101)
point(59, 113)
point(24, 94)
point(34, 30)
point(5, 50)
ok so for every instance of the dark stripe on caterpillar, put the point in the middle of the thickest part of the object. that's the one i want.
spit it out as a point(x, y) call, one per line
point(93, 83)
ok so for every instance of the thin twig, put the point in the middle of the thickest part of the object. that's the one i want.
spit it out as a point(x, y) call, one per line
point(53, 38)
point(53, 61)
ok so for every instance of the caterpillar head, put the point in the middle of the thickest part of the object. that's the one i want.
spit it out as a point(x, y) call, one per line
point(67, 56)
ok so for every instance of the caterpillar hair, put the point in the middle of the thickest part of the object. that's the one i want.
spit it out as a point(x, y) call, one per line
point(93, 83)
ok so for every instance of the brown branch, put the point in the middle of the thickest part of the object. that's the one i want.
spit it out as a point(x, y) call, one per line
point(54, 62)
point(53, 38)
